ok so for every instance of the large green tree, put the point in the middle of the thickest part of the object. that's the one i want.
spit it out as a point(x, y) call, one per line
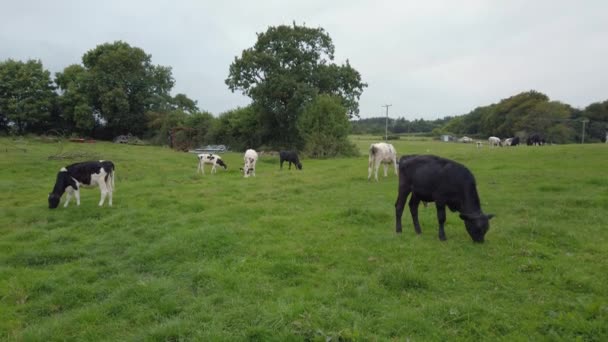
point(26, 95)
point(123, 85)
point(284, 71)
point(74, 102)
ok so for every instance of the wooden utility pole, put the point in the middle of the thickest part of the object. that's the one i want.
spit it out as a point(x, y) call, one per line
point(386, 125)
point(583, 137)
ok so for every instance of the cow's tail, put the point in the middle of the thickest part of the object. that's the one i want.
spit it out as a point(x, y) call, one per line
point(372, 153)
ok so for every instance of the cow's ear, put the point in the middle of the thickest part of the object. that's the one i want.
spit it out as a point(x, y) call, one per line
point(489, 216)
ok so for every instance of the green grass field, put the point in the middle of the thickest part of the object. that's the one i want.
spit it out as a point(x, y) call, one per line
point(308, 255)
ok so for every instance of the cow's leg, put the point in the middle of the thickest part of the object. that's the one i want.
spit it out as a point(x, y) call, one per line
point(441, 219)
point(68, 197)
point(385, 169)
point(289, 164)
point(370, 167)
point(282, 161)
point(77, 195)
point(404, 191)
point(110, 187)
point(414, 203)
point(213, 169)
point(376, 167)
point(104, 191)
point(395, 163)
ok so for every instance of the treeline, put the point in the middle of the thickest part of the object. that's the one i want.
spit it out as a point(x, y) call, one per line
point(116, 90)
point(532, 112)
point(300, 99)
point(377, 125)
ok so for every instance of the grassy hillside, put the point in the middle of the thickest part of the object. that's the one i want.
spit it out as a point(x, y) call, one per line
point(302, 255)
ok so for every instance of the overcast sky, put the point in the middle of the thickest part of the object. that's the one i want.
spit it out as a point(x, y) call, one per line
point(427, 58)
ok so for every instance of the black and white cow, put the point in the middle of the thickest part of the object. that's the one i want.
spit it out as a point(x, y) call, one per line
point(74, 176)
point(381, 153)
point(447, 183)
point(290, 157)
point(209, 158)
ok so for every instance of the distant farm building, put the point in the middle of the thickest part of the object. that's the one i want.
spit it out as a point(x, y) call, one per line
point(447, 138)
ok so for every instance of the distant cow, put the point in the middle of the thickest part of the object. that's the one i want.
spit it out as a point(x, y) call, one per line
point(535, 139)
point(209, 158)
point(445, 182)
point(514, 141)
point(381, 153)
point(494, 141)
point(507, 142)
point(250, 159)
point(290, 157)
point(91, 173)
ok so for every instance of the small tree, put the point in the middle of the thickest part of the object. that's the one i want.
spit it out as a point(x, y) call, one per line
point(238, 128)
point(324, 125)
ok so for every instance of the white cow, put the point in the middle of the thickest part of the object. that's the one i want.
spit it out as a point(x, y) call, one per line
point(494, 141)
point(381, 153)
point(250, 158)
point(507, 142)
point(209, 158)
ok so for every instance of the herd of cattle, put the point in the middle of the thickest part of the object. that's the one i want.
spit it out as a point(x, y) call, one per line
point(427, 178)
point(535, 139)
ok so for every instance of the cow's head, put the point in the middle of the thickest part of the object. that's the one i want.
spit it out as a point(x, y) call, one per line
point(222, 164)
point(299, 166)
point(53, 200)
point(246, 171)
point(477, 225)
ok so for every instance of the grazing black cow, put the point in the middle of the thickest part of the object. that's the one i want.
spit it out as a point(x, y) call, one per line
point(290, 157)
point(515, 141)
point(445, 182)
point(535, 139)
point(91, 173)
